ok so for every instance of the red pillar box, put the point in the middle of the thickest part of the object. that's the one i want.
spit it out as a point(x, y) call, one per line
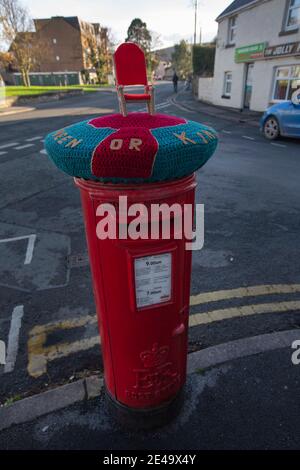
point(141, 284)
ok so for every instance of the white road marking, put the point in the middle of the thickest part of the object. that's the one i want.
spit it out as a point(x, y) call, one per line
point(43, 151)
point(5, 146)
point(21, 147)
point(226, 132)
point(278, 145)
point(32, 139)
point(13, 338)
point(163, 105)
point(247, 137)
point(2, 153)
point(2, 352)
point(158, 106)
point(187, 110)
point(30, 246)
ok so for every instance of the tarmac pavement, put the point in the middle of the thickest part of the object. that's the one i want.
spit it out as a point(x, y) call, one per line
point(249, 403)
point(186, 99)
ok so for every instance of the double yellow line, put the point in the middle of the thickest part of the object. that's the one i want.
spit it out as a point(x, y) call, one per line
point(39, 354)
point(246, 310)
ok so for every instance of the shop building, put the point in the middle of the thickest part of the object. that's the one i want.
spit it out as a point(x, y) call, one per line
point(257, 59)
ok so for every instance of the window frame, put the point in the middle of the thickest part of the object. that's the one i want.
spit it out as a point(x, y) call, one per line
point(231, 28)
point(289, 79)
point(226, 81)
point(291, 7)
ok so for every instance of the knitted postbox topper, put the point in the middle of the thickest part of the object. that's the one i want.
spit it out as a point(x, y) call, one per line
point(138, 147)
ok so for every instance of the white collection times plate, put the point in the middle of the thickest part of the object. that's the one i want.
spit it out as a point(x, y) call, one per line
point(153, 279)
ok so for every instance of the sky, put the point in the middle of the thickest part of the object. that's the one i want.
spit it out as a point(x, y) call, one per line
point(173, 20)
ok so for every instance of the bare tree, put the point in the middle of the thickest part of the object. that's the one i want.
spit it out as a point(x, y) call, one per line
point(97, 46)
point(17, 32)
point(111, 42)
point(5, 59)
point(182, 59)
point(156, 42)
point(152, 57)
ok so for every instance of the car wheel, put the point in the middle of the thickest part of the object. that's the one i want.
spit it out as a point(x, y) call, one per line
point(271, 128)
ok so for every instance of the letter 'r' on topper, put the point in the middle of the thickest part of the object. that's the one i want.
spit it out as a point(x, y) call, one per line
point(131, 70)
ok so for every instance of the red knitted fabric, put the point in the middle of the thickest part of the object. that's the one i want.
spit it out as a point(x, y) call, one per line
point(141, 120)
point(128, 153)
point(136, 96)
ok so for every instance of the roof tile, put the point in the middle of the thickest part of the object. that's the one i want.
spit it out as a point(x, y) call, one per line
point(235, 5)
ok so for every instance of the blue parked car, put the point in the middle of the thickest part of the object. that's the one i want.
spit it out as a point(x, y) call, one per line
point(282, 119)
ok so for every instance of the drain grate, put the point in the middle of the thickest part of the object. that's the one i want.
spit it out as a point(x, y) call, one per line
point(78, 261)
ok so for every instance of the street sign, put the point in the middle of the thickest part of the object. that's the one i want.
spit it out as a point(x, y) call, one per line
point(250, 53)
point(282, 50)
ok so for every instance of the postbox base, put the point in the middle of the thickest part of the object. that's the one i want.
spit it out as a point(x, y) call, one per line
point(145, 418)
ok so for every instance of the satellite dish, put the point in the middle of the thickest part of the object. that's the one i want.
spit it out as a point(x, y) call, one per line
point(296, 97)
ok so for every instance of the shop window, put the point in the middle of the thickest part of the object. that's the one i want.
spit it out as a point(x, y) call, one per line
point(227, 85)
point(232, 30)
point(287, 80)
point(293, 15)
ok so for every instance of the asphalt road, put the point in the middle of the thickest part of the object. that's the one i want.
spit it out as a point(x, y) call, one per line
point(250, 189)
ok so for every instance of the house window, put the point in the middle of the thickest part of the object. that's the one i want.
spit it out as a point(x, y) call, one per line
point(57, 58)
point(227, 84)
point(54, 41)
point(287, 80)
point(232, 30)
point(293, 15)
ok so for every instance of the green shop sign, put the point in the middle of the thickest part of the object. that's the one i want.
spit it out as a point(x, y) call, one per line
point(249, 53)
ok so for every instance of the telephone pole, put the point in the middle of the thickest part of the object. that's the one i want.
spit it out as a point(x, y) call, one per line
point(195, 26)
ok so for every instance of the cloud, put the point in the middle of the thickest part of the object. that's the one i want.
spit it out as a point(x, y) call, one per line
point(172, 19)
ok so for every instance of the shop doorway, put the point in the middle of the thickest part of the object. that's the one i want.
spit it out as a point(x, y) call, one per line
point(248, 85)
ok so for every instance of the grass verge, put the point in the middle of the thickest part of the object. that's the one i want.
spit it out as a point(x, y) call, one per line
point(39, 90)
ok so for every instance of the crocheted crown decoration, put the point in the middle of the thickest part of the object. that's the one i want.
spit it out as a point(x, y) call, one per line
point(138, 147)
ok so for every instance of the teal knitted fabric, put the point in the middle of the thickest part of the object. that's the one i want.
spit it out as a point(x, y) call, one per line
point(136, 148)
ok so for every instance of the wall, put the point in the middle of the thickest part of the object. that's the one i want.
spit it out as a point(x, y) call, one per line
point(50, 79)
point(68, 47)
point(263, 76)
point(205, 89)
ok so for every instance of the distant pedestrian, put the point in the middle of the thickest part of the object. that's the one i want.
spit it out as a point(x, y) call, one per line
point(175, 81)
point(188, 82)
